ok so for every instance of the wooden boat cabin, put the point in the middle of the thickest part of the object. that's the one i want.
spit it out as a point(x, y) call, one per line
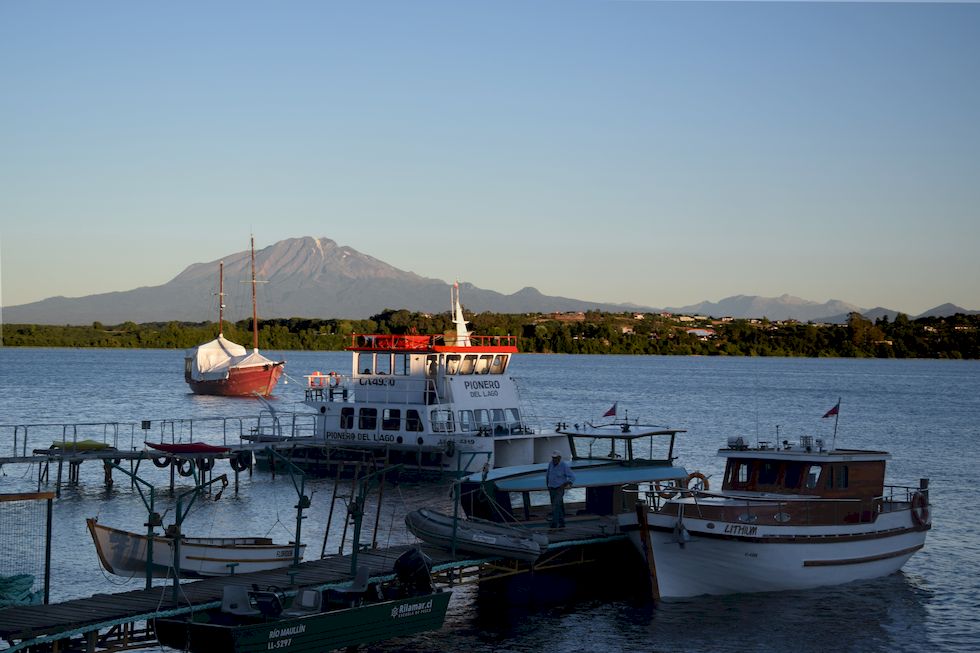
point(808, 482)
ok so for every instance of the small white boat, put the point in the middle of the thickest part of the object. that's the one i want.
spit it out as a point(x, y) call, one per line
point(788, 517)
point(124, 553)
point(476, 536)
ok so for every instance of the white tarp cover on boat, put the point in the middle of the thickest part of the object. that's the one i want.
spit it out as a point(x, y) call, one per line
point(212, 360)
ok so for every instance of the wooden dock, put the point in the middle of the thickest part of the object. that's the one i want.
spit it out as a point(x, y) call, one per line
point(111, 622)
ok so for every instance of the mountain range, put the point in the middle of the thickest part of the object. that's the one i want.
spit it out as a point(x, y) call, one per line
point(316, 277)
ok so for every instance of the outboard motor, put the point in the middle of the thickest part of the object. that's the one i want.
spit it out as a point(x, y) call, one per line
point(412, 569)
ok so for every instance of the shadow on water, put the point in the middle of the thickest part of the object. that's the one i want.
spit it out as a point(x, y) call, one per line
point(882, 615)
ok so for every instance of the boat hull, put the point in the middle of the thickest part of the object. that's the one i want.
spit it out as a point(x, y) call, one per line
point(241, 382)
point(476, 537)
point(364, 624)
point(727, 558)
point(124, 554)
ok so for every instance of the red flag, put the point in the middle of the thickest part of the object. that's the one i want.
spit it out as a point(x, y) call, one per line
point(612, 411)
point(833, 411)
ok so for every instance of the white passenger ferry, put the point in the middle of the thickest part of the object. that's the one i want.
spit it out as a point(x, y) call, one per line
point(437, 402)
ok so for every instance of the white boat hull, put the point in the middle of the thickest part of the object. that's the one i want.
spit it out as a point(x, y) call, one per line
point(125, 554)
point(733, 558)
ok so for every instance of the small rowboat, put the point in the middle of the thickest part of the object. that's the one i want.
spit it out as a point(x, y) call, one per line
point(124, 553)
point(476, 536)
point(82, 445)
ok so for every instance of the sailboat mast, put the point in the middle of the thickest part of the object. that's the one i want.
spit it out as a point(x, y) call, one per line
point(221, 298)
point(255, 313)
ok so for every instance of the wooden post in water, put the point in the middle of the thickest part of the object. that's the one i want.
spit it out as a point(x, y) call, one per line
point(644, 525)
point(57, 483)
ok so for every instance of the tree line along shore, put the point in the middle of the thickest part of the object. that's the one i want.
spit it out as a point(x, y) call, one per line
point(591, 332)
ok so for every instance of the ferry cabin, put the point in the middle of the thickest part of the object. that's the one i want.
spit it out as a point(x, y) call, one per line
point(431, 395)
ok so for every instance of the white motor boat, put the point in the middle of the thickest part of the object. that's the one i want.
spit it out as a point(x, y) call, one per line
point(788, 517)
point(443, 403)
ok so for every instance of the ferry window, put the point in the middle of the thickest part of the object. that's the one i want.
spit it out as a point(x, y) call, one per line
point(413, 421)
point(383, 365)
point(401, 366)
point(842, 476)
point(452, 363)
point(365, 362)
point(367, 419)
point(812, 476)
point(346, 418)
point(498, 365)
point(442, 421)
point(793, 475)
point(513, 418)
point(768, 473)
point(483, 365)
point(431, 366)
point(469, 362)
point(466, 421)
point(391, 419)
point(482, 416)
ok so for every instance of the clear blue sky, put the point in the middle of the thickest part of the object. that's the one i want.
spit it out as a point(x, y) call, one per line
point(657, 153)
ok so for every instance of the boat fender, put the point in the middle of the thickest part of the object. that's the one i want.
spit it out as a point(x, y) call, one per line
point(162, 461)
point(205, 464)
point(450, 449)
point(665, 490)
point(241, 461)
point(697, 481)
point(185, 466)
point(920, 509)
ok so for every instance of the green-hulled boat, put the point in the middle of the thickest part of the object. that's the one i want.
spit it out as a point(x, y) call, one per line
point(255, 621)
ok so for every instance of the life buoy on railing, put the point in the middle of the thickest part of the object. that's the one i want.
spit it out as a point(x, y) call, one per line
point(317, 380)
point(162, 461)
point(920, 509)
point(696, 481)
point(185, 466)
point(450, 449)
point(241, 461)
point(665, 490)
point(334, 379)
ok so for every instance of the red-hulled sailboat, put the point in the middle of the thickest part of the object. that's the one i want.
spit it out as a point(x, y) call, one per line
point(221, 367)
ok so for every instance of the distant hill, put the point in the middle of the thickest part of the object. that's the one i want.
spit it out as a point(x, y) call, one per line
point(784, 307)
point(303, 277)
point(945, 310)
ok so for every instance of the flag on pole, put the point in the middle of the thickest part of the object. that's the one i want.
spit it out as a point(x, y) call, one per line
point(833, 411)
point(612, 411)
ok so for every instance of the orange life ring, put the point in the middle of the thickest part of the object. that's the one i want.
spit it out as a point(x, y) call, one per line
point(665, 490)
point(920, 509)
point(316, 380)
point(334, 379)
point(697, 481)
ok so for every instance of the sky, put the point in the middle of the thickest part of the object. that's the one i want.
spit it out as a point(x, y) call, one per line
point(660, 153)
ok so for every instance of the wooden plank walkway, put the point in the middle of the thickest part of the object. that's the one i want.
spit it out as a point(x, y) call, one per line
point(101, 611)
point(104, 610)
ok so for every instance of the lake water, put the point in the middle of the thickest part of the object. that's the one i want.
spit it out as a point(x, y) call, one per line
point(926, 413)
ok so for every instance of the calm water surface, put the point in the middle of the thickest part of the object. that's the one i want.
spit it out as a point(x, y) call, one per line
point(926, 413)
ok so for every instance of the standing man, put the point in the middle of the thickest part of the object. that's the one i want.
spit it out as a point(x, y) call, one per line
point(559, 478)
